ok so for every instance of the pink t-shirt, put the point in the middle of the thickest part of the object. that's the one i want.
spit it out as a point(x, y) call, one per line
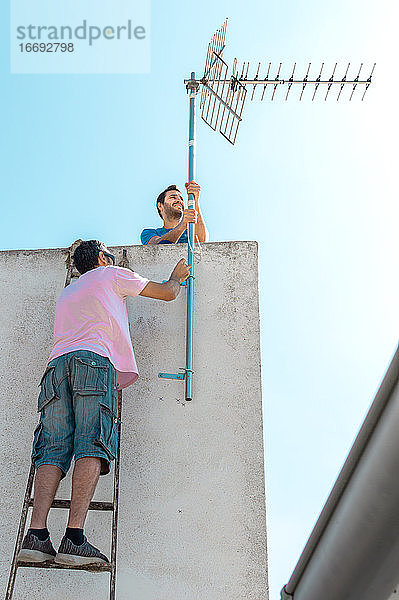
point(91, 314)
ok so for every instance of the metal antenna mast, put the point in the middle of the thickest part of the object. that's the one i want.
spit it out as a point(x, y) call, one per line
point(223, 97)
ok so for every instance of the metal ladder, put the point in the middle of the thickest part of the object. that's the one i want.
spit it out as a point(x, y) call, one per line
point(58, 503)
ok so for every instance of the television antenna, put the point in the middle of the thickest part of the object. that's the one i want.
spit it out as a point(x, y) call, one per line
point(223, 96)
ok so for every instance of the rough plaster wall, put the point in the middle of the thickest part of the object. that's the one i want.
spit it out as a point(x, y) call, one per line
point(192, 504)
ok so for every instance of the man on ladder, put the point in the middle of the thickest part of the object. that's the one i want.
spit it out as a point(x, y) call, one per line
point(91, 357)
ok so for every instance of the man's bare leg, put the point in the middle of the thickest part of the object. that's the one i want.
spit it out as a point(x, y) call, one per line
point(74, 548)
point(84, 481)
point(47, 479)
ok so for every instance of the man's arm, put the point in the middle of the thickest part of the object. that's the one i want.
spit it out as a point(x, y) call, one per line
point(189, 216)
point(171, 236)
point(200, 228)
point(170, 289)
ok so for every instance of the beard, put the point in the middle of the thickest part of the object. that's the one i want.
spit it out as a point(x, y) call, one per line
point(173, 212)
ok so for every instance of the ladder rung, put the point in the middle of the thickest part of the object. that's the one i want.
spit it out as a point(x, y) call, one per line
point(53, 565)
point(92, 506)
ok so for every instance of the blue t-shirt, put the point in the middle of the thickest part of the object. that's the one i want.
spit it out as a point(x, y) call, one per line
point(147, 234)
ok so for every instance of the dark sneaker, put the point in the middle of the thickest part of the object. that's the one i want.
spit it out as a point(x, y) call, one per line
point(34, 550)
point(85, 554)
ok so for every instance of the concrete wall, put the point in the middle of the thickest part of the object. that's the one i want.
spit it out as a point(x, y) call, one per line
point(192, 506)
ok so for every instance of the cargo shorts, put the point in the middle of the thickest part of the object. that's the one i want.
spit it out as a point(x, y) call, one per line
point(78, 405)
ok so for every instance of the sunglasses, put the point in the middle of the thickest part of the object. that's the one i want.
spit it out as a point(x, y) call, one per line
point(111, 256)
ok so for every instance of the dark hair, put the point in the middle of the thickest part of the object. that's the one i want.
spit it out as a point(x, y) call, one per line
point(161, 197)
point(86, 254)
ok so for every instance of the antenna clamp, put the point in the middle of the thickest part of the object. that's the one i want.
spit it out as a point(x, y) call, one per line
point(192, 85)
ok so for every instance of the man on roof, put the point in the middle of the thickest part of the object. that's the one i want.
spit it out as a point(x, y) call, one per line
point(175, 217)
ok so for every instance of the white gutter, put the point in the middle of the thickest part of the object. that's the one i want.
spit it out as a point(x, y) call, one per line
point(353, 550)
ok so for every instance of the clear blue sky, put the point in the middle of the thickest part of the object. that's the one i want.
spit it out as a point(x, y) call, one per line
point(314, 183)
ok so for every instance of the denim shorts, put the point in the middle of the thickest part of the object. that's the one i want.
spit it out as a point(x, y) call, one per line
point(78, 405)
